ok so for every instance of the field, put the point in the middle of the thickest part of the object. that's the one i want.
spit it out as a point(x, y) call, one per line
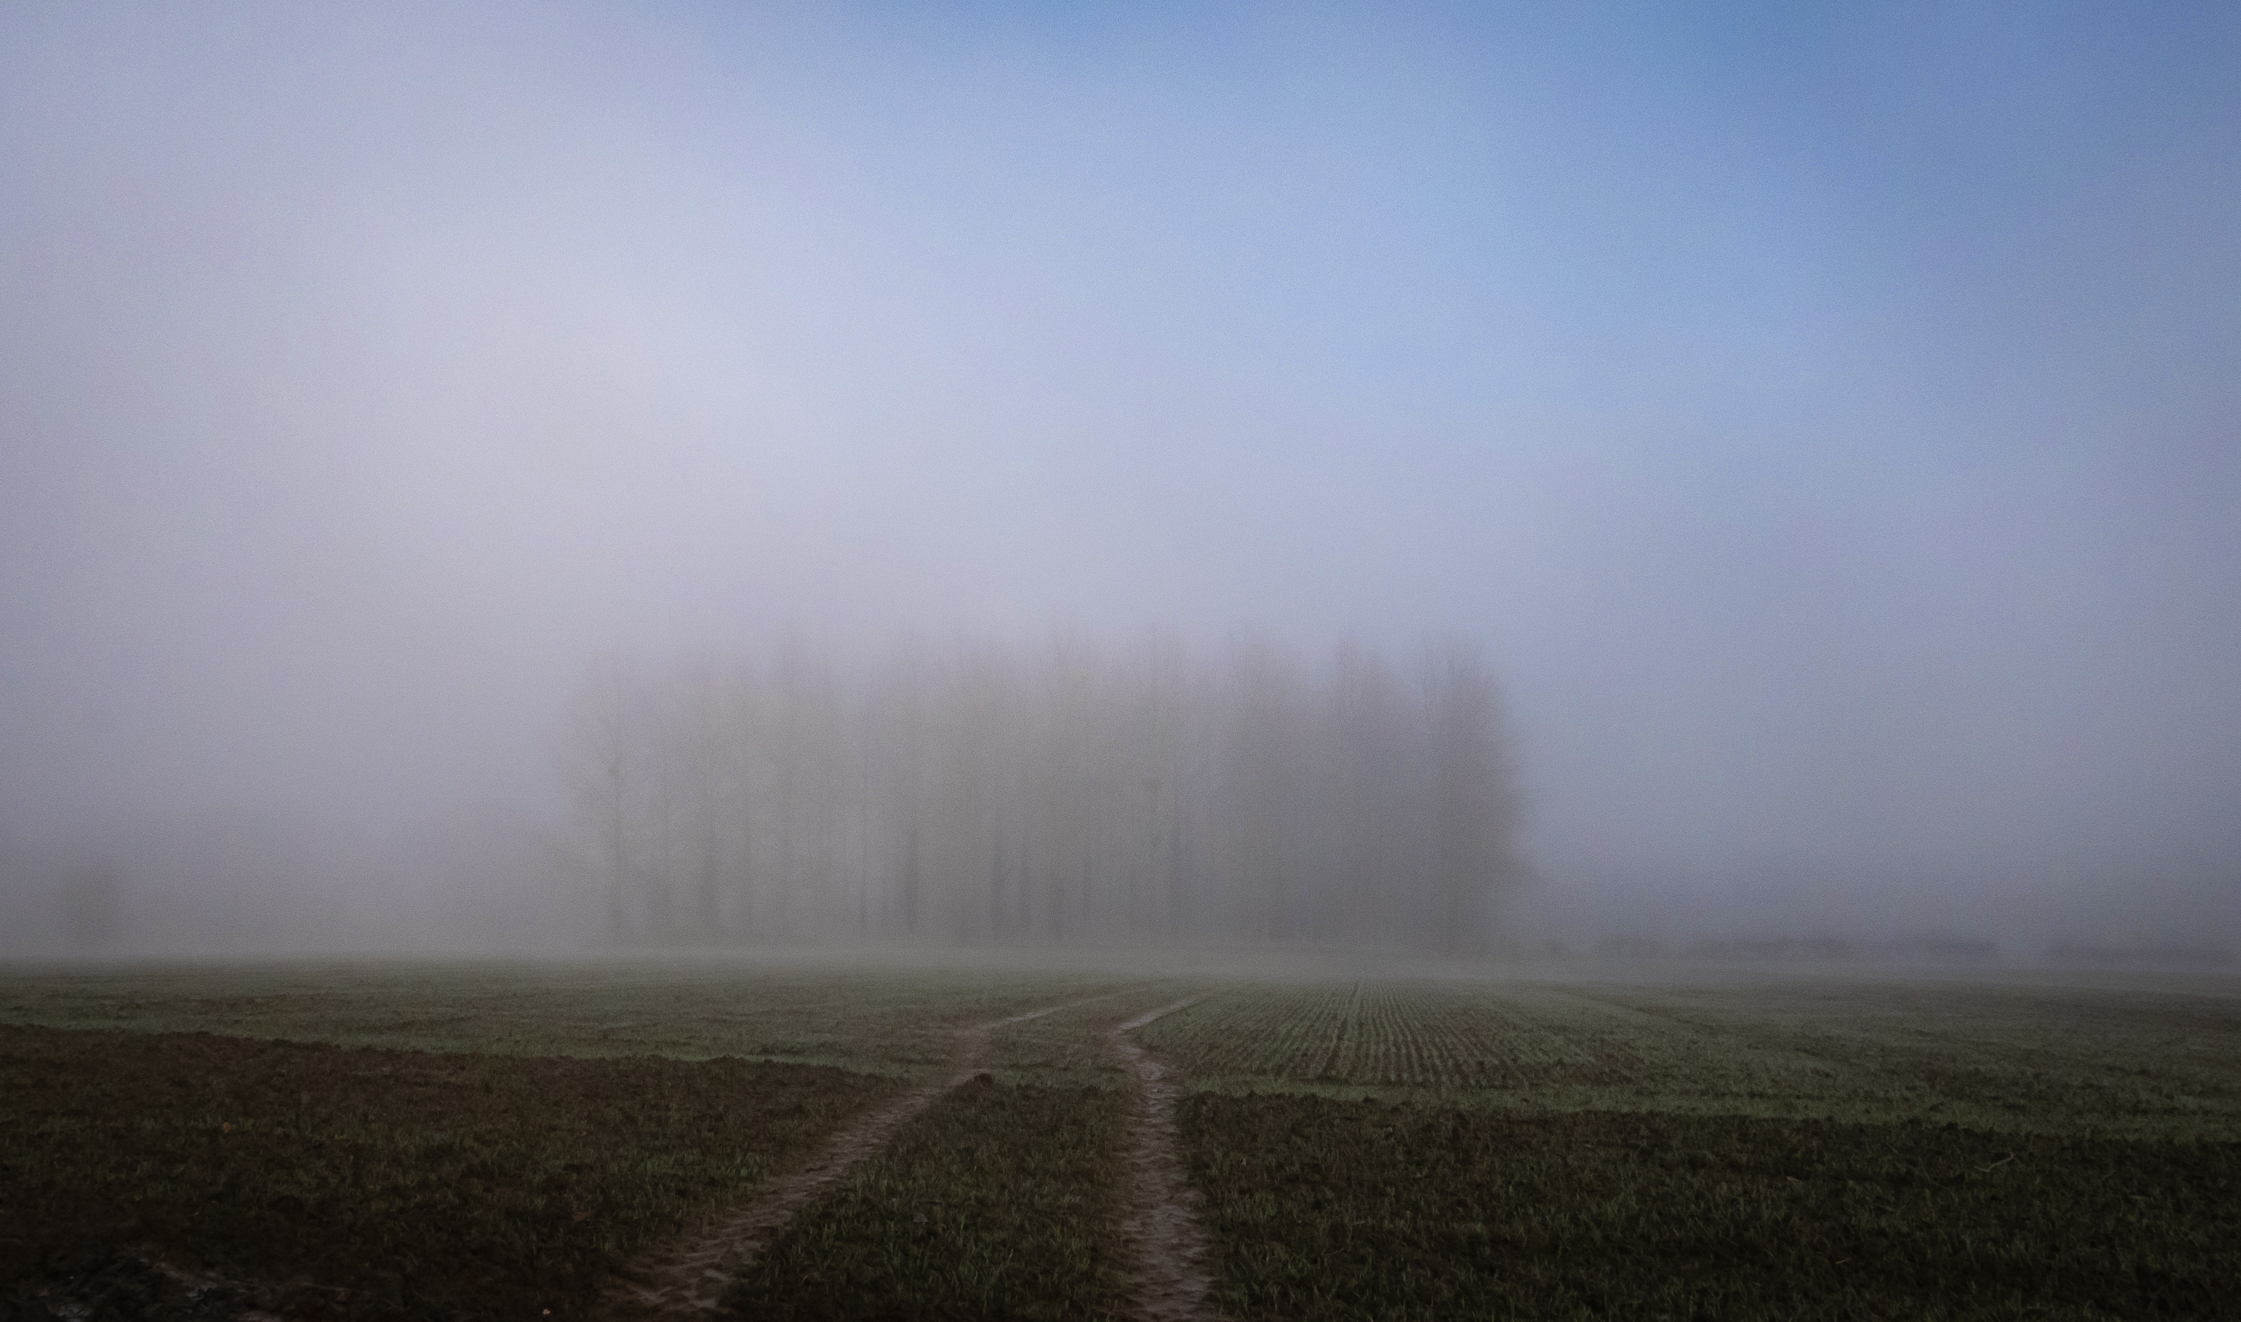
point(451, 1141)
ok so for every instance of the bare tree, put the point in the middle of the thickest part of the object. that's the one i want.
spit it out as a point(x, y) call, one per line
point(1474, 805)
point(600, 767)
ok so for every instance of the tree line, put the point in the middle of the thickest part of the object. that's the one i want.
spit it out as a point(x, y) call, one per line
point(1067, 793)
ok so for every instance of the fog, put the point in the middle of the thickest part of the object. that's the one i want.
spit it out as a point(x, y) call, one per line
point(1824, 425)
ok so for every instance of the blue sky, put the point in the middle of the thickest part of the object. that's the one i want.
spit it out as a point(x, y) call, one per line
point(1828, 417)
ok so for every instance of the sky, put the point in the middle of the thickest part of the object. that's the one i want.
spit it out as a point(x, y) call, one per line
point(1829, 417)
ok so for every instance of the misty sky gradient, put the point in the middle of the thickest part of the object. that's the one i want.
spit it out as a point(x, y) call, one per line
point(1830, 418)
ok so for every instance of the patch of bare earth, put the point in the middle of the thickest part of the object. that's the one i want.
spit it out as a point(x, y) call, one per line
point(1161, 1221)
point(689, 1279)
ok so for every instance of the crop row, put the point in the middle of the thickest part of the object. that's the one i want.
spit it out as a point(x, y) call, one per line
point(1979, 1056)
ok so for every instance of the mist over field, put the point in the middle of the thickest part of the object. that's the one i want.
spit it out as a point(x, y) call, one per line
point(1812, 440)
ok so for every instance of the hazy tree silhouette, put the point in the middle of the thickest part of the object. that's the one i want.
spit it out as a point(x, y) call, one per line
point(1070, 792)
point(92, 906)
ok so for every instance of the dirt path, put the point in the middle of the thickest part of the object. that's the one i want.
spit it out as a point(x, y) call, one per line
point(1162, 1222)
point(689, 1279)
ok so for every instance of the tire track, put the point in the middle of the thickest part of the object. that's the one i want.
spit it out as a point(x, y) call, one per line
point(1162, 1222)
point(689, 1279)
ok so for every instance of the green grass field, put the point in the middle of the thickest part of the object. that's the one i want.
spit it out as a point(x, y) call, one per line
point(454, 1141)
